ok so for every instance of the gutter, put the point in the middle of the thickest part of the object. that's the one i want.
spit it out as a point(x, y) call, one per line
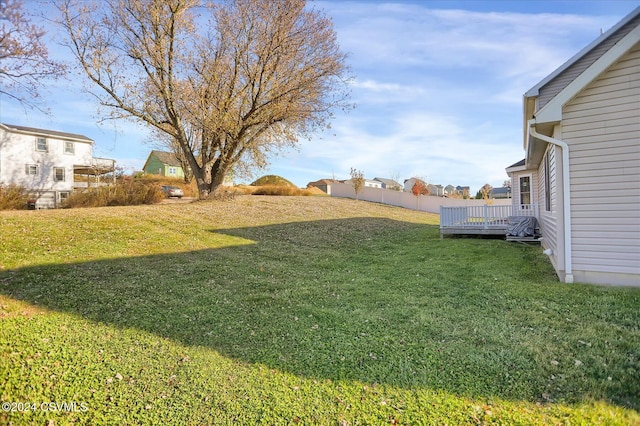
point(568, 278)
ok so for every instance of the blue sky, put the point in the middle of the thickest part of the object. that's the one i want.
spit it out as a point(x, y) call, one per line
point(438, 90)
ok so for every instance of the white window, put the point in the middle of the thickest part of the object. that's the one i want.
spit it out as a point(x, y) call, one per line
point(58, 174)
point(31, 169)
point(41, 144)
point(547, 182)
point(172, 170)
point(63, 196)
point(525, 191)
point(69, 148)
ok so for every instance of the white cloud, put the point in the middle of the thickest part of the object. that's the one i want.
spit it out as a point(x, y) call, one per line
point(439, 92)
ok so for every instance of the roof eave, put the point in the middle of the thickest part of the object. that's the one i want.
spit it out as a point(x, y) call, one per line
point(47, 133)
point(535, 90)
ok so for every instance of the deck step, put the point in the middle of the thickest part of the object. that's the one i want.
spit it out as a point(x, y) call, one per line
point(534, 240)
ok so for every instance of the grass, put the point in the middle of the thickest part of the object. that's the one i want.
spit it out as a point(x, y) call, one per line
point(300, 310)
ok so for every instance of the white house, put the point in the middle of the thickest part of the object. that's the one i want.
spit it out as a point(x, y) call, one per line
point(582, 160)
point(368, 183)
point(389, 183)
point(50, 164)
point(409, 183)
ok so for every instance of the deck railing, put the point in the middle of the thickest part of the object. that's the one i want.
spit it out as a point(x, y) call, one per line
point(483, 217)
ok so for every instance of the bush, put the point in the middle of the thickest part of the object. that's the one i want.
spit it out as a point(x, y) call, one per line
point(280, 190)
point(127, 192)
point(189, 189)
point(13, 197)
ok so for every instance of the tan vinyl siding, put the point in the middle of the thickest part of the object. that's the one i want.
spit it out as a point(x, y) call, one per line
point(555, 86)
point(548, 219)
point(602, 127)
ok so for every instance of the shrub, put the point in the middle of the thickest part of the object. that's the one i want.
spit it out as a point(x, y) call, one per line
point(280, 190)
point(189, 189)
point(127, 192)
point(13, 197)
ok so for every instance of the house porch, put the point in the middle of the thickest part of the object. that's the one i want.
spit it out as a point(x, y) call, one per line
point(92, 175)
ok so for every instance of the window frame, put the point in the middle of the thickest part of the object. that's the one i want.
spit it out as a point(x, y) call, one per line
point(28, 168)
point(547, 182)
point(68, 151)
point(530, 192)
point(45, 144)
point(55, 174)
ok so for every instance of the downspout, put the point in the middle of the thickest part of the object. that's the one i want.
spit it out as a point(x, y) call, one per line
point(568, 278)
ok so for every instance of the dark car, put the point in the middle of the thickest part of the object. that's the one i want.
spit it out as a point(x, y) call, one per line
point(172, 191)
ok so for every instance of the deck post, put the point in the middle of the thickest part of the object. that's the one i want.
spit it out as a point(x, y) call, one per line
point(486, 216)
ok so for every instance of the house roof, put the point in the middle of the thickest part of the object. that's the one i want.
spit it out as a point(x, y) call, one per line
point(518, 164)
point(168, 158)
point(414, 179)
point(543, 103)
point(535, 90)
point(500, 191)
point(321, 182)
point(387, 182)
point(44, 132)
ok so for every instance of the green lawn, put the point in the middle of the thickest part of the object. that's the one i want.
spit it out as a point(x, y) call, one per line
point(299, 310)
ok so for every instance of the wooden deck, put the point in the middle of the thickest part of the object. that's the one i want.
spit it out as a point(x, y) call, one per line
point(529, 240)
point(481, 220)
point(464, 230)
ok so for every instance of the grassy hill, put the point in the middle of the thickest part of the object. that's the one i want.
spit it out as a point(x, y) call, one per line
point(272, 180)
point(308, 310)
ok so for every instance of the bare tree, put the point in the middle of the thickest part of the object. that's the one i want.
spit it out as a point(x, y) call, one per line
point(24, 58)
point(232, 82)
point(357, 180)
point(395, 177)
point(484, 192)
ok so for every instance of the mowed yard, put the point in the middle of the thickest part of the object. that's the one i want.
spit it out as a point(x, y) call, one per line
point(299, 310)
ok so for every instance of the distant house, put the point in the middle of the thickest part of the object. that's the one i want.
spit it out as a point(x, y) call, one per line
point(368, 183)
point(322, 184)
point(164, 164)
point(409, 183)
point(498, 193)
point(449, 190)
point(582, 160)
point(463, 189)
point(48, 163)
point(436, 190)
point(389, 184)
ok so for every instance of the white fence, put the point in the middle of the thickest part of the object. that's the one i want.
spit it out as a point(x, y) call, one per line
point(407, 200)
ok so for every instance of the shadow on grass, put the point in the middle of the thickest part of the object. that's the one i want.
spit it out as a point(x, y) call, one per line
point(366, 299)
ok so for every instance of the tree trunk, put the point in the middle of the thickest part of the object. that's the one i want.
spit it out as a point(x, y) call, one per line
point(209, 179)
point(203, 180)
point(216, 180)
